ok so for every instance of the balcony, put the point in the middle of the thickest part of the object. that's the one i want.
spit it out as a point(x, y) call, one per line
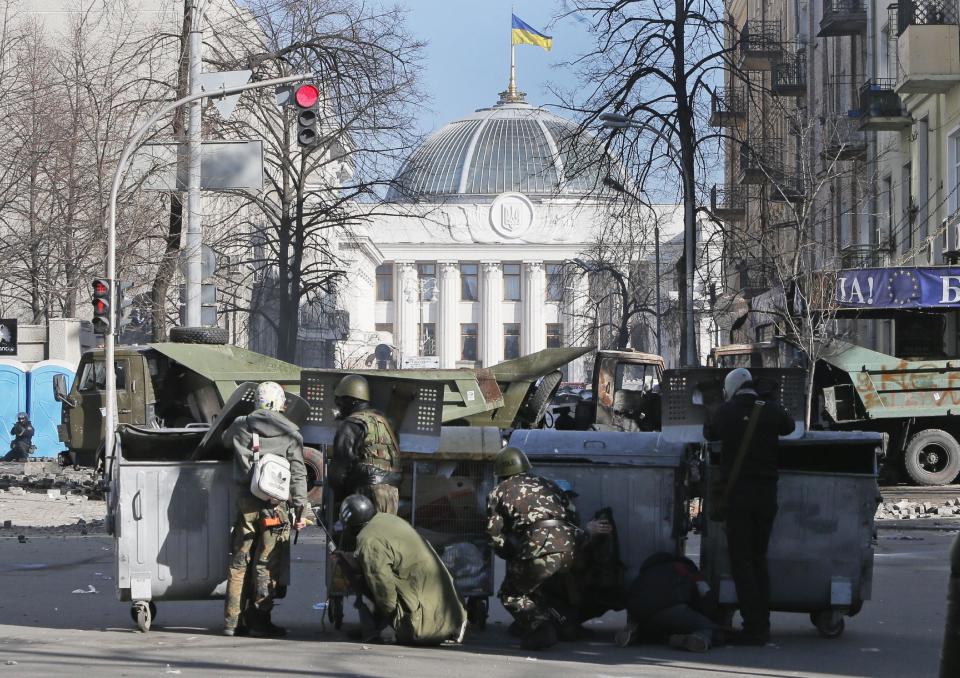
point(880, 107)
point(728, 203)
point(728, 107)
point(843, 139)
point(843, 17)
point(789, 77)
point(759, 45)
point(928, 46)
point(756, 276)
point(757, 161)
point(787, 188)
point(863, 256)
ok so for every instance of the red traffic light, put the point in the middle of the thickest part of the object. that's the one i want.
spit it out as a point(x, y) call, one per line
point(307, 96)
point(100, 288)
point(100, 307)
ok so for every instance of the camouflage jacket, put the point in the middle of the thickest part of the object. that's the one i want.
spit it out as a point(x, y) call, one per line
point(514, 508)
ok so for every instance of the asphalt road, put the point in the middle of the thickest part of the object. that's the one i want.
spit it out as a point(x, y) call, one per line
point(50, 631)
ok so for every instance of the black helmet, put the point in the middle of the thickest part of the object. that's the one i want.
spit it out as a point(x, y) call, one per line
point(510, 462)
point(356, 511)
point(22, 415)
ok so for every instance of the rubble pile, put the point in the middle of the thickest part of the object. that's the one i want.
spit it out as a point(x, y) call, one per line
point(913, 510)
point(44, 476)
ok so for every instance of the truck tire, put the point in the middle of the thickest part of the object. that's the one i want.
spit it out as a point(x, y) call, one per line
point(535, 407)
point(932, 457)
point(199, 335)
point(313, 460)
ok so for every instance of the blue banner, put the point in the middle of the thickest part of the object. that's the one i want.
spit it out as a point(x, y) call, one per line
point(901, 287)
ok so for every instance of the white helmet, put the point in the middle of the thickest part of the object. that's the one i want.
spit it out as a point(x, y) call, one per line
point(735, 380)
point(270, 396)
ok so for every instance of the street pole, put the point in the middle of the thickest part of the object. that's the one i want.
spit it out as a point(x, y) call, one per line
point(110, 413)
point(656, 256)
point(194, 240)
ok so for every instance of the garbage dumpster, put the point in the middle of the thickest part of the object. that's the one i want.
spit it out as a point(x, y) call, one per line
point(821, 547)
point(444, 496)
point(641, 476)
point(171, 507)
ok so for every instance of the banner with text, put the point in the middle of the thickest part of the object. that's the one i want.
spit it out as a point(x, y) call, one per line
point(900, 287)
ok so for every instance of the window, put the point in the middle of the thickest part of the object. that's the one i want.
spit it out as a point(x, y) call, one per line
point(468, 341)
point(635, 377)
point(885, 235)
point(385, 282)
point(906, 200)
point(511, 282)
point(511, 341)
point(427, 279)
point(94, 376)
point(953, 172)
point(428, 338)
point(469, 281)
point(384, 327)
point(554, 335)
point(554, 282)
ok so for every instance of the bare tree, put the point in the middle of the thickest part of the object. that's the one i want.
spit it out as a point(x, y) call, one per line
point(284, 237)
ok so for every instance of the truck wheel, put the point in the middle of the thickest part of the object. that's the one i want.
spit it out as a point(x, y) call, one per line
point(313, 460)
point(932, 457)
point(199, 335)
point(533, 410)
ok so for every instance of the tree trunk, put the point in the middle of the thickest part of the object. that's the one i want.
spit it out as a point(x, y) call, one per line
point(168, 266)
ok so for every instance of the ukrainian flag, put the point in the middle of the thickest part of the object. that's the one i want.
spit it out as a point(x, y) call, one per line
point(524, 34)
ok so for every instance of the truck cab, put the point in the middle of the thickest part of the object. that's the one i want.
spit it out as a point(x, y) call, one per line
point(626, 391)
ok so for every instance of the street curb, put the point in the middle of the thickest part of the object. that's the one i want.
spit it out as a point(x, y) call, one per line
point(919, 525)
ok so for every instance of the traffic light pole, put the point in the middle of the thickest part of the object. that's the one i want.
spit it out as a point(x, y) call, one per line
point(110, 417)
point(194, 239)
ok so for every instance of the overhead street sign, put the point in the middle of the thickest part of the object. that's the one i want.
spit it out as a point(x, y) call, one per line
point(224, 165)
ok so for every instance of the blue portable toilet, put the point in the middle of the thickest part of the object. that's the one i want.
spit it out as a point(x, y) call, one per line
point(43, 408)
point(13, 398)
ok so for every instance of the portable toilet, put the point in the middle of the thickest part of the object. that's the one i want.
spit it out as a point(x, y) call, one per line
point(13, 397)
point(44, 409)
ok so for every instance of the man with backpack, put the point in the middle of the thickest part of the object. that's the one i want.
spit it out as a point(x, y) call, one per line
point(271, 498)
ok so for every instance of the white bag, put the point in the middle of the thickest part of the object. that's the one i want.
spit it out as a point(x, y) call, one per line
point(270, 479)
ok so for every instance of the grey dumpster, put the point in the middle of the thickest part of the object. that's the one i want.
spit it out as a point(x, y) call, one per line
point(640, 476)
point(821, 549)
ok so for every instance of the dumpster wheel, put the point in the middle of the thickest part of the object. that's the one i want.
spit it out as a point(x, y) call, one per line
point(829, 623)
point(335, 611)
point(142, 612)
point(478, 608)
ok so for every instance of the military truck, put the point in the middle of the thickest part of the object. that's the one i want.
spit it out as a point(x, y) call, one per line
point(178, 385)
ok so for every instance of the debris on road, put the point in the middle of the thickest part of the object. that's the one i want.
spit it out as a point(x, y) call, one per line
point(910, 510)
point(90, 589)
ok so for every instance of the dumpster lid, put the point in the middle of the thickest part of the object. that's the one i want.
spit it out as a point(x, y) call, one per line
point(599, 447)
point(468, 443)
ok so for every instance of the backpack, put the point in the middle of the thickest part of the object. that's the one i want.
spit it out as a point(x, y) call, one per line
point(270, 476)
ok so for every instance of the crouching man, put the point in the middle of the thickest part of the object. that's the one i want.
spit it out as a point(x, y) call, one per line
point(261, 529)
point(415, 601)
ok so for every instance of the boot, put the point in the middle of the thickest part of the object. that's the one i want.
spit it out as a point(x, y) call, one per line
point(260, 626)
point(690, 642)
point(628, 635)
point(542, 637)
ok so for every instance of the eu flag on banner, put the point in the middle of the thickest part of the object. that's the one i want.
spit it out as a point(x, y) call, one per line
point(524, 34)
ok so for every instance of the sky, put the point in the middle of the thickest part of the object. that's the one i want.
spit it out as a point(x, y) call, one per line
point(467, 61)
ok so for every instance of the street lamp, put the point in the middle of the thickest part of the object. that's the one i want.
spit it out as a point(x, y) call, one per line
point(618, 121)
point(610, 182)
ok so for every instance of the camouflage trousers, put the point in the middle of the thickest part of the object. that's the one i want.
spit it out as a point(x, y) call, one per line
point(520, 592)
point(385, 497)
point(256, 556)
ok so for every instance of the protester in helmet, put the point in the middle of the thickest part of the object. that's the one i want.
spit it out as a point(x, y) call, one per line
point(532, 526)
point(22, 444)
point(261, 530)
point(414, 598)
point(366, 454)
point(749, 428)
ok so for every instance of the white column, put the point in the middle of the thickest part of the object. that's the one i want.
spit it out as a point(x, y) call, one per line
point(448, 326)
point(405, 299)
point(491, 305)
point(574, 324)
point(533, 333)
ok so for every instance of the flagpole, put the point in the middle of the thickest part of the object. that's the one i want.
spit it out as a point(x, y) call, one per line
point(511, 95)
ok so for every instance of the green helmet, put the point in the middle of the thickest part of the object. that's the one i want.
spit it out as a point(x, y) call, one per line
point(510, 462)
point(353, 386)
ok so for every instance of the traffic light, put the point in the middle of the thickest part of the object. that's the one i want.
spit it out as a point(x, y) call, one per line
point(124, 305)
point(101, 306)
point(306, 99)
